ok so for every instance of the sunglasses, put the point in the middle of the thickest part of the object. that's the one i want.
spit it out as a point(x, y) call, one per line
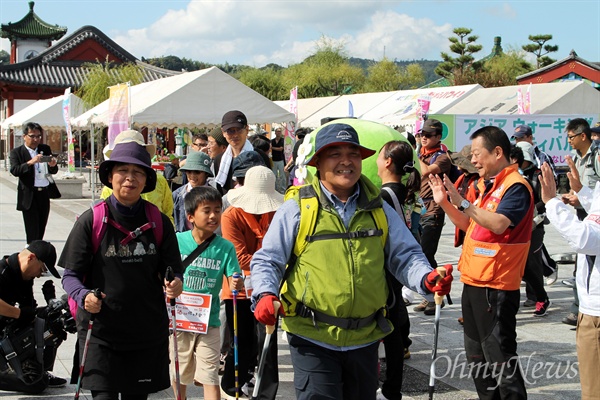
point(426, 135)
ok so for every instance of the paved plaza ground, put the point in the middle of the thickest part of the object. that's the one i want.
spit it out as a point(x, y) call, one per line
point(546, 346)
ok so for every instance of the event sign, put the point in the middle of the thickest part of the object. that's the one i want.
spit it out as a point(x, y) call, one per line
point(192, 312)
point(549, 133)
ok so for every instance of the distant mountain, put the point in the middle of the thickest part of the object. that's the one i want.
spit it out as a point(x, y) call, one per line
point(427, 65)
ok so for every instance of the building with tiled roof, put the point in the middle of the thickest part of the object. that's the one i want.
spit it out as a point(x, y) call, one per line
point(570, 68)
point(29, 36)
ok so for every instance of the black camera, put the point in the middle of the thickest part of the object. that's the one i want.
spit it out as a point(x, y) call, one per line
point(57, 315)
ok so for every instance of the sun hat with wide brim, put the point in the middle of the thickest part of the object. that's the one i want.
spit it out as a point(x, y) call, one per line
point(129, 153)
point(128, 136)
point(258, 195)
point(462, 159)
point(335, 135)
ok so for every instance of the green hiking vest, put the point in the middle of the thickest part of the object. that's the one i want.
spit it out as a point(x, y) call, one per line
point(337, 279)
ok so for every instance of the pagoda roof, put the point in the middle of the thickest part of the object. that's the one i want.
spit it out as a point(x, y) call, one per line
point(571, 57)
point(61, 65)
point(32, 27)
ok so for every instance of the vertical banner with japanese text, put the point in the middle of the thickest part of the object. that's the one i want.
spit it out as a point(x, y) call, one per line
point(118, 111)
point(421, 112)
point(290, 127)
point(66, 108)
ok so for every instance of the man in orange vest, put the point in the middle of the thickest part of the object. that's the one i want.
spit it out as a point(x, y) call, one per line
point(496, 244)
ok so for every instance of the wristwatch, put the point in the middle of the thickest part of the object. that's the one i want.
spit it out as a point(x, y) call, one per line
point(464, 205)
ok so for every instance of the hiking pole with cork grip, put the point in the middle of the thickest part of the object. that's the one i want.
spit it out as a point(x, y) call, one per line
point(263, 357)
point(98, 294)
point(234, 293)
point(169, 276)
point(436, 327)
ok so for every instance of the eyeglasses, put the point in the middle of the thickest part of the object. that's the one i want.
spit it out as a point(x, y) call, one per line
point(200, 144)
point(35, 136)
point(573, 136)
point(234, 131)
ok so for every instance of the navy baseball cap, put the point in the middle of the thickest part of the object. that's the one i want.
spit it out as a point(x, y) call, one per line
point(522, 131)
point(337, 134)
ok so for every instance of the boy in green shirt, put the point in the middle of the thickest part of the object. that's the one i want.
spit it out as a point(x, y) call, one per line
point(199, 353)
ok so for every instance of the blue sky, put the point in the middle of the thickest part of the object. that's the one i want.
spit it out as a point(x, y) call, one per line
point(254, 32)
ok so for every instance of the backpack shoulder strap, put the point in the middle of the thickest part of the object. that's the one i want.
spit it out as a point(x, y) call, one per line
point(309, 208)
point(99, 224)
point(154, 216)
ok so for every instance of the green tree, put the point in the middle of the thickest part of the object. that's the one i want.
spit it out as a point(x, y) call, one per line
point(266, 81)
point(99, 76)
point(327, 72)
point(413, 76)
point(387, 75)
point(383, 76)
point(502, 70)
point(460, 69)
point(539, 49)
point(4, 57)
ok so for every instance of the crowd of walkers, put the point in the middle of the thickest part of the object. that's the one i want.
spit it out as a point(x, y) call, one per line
point(333, 261)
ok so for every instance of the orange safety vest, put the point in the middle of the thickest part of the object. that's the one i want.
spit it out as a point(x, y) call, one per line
point(491, 260)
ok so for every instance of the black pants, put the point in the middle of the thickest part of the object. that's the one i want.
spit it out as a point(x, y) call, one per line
point(102, 395)
point(36, 218)
point(431, 231)
point(323, 374)
point(249, 348)
point(534, 268)
point(394, 344)
point(491, 342)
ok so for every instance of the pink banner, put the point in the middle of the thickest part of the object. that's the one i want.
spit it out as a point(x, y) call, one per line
point(118, 111)
point(422, 112)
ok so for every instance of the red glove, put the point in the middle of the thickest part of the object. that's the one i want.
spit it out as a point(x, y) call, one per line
point(436, 284)
point(265, 310)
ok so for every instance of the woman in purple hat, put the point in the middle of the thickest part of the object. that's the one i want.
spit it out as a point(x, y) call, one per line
point(128, 352)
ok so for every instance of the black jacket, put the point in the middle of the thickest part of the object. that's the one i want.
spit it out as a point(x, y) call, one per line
point(26, 173)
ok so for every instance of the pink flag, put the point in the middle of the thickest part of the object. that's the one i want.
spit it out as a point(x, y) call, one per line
point(527, 103)
point(422, 112)
point(520, 105)
point(118, 111)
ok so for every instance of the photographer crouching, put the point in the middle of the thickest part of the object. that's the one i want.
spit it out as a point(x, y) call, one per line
point(30, 336)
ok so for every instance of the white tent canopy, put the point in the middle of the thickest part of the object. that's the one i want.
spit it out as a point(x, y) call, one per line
point(400, 108)
point(574, 97)
point(307, 107)
point(340, 107)
point(194, 99)
point(48, 113)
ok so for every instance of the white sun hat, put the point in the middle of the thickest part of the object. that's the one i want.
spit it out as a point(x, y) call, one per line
point(127, 137)
point(258, 195)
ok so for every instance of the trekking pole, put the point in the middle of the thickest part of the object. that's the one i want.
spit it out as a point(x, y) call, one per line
point(436, 327)
point(234, 292)
point(169, 275)
point(88, 336)
point(263, 357)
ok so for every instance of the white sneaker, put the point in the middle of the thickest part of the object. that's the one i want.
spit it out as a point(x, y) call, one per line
point(380, 395)
point(550, 279)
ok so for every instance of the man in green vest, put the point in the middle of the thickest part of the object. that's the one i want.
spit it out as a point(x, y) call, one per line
point(334, 289)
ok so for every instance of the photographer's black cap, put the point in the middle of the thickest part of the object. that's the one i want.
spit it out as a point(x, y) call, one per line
point(46, 253)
